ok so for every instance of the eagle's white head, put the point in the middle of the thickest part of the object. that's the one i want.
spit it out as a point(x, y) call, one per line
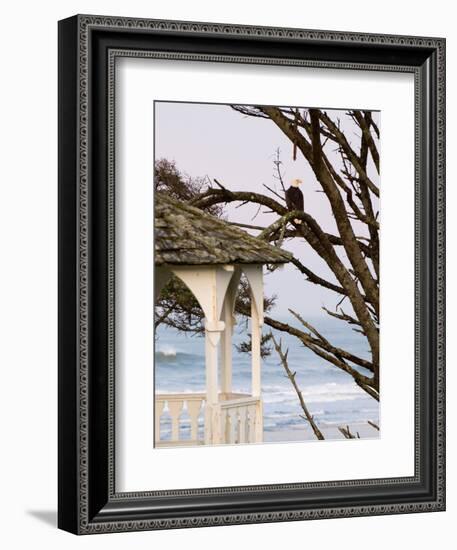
point(296, 182)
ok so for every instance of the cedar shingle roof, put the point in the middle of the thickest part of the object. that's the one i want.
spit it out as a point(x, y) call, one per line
point(185, 235)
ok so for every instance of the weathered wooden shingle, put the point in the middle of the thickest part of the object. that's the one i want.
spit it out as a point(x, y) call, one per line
point(185, 235)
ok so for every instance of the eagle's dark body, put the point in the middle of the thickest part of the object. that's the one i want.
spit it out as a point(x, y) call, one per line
point(294, 199)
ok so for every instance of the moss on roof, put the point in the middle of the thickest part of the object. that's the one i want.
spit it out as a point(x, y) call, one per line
point(185, 235)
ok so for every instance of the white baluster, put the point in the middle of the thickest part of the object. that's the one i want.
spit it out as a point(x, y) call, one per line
point(224, 424)
point(238, 425)
point(193, 408)
point(158, 409)
point(242, 414)
point(228, 427)
point(175, 408)
point(251, 423)
point(233, 426)
point(259, 421)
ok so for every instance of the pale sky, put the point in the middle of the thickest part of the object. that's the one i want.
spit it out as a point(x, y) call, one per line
point(218, 142)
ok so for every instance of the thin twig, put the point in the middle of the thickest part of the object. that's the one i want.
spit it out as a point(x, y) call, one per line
point(291, 376)
point(248, 226)
point(347, 433)
point(220, 185)
point(274, 192)
point(257, 213)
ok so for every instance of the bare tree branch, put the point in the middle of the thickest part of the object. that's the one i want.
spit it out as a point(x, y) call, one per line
point(291, 375)
point(375, 426)
point(341, 354)
point(364, 125)
point(337, 135)
point(347, 433)
point(317, 238)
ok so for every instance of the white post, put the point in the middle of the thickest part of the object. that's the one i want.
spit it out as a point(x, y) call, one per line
point(226, 350)
point(256, 335)
point(226, 340)
point(255, 277)
point(209, 285)
point(212, 429)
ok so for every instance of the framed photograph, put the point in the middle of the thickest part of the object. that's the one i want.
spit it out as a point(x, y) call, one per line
point(251, 274)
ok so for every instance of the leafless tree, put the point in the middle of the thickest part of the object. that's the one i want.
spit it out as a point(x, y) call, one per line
point(352, 253)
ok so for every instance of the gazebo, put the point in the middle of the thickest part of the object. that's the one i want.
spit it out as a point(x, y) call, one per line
point(209, 255)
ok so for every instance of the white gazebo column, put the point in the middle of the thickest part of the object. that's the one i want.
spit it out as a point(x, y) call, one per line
point(256, 335)
point(226, 339)
point(254, 275)
point(212, 413)
point(209, 285)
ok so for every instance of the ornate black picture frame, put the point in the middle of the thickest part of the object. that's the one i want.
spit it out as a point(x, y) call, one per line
point(88, 501)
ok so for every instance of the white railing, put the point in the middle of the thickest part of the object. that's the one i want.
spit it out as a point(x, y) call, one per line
point(175, 405)
point(238, 417)
point(241, 420)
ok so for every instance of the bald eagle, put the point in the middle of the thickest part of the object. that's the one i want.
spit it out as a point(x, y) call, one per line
point(294, 197)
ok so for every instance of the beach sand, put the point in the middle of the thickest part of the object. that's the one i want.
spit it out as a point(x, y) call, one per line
point(330, 432)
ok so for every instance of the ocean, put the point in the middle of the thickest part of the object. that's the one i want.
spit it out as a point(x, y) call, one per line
point(329, 393)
